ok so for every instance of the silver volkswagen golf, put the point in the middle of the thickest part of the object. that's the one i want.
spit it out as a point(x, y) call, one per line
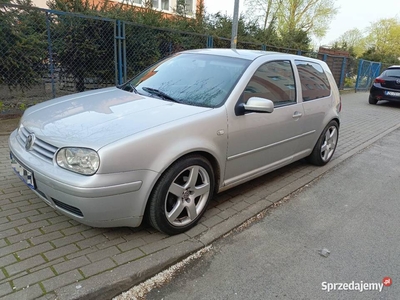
point(161, 145)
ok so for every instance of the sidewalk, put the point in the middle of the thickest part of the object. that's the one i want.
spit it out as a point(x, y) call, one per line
point(45, 255)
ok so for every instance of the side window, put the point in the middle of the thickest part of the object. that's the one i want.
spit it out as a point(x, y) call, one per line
point(274, 81)
point(314, 82)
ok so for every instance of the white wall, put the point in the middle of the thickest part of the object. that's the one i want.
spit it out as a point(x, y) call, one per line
point(172, 4)
point(40, 3)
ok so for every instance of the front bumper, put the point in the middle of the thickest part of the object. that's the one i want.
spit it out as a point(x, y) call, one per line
point(100, 200)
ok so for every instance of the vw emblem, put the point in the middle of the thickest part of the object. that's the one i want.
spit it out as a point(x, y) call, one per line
point(398, 81)
point(30, 140)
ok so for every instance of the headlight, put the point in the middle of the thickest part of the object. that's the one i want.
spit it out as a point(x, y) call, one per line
point(80, 160)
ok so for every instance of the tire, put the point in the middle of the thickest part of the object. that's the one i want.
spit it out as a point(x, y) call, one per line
point(372, 100)
point(325, 146)
point(181, 195)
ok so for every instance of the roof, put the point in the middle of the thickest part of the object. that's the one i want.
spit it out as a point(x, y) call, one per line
point(253, 54)
point(237, 53)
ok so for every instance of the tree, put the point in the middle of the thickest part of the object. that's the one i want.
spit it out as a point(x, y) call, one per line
point(83, 47)
point(264, 11)
point(293, 21)
point(220, 26)
point(352, 41)
point(22, 45)
point(264, 16)
point(383, 41)
point(311, 16)
point(296, 39)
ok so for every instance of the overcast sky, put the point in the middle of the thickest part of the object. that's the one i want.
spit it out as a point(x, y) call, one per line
point(352, 13)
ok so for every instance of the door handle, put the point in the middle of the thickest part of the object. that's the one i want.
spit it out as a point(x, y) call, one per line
point(297, 114)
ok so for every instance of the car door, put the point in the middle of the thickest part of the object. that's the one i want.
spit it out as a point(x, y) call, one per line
point(261, 142)
point(317, 102)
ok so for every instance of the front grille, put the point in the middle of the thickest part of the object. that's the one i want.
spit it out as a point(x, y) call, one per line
point(72, 209)
point(40, 148)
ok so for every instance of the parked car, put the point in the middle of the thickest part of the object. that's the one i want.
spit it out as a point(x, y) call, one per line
point(386, 86)
point(161, 145)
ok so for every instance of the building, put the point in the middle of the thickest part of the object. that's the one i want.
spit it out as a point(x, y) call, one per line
point(168, 7)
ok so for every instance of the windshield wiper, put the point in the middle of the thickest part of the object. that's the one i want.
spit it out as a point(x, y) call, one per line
point(160, 94)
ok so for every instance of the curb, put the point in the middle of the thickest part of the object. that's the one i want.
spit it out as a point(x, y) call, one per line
point(124, 277)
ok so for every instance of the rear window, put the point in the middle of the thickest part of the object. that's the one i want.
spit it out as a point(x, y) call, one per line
point(392, 73)
point(314, 82)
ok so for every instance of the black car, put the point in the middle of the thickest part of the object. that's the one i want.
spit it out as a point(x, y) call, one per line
point(386, 86)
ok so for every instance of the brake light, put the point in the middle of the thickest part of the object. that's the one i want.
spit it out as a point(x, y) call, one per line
point(379, 80)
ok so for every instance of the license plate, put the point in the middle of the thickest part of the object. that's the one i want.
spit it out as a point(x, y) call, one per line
point(394, 94)
point(23, 172)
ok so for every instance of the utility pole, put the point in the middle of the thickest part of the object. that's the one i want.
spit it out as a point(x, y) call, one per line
point(235, 23)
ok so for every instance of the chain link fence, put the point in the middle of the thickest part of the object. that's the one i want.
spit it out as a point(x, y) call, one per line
point(143, 46)
point(219, 42)
point(23, 60)
point(81, 53)
point(47, 54)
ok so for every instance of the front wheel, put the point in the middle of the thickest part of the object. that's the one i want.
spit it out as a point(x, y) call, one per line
point(326, 145)
point(181, 195)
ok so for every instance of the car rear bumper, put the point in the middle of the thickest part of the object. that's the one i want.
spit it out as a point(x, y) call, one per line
point(101, 200)
point(381, 93)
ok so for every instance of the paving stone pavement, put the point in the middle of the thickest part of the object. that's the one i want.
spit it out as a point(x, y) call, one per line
point(46, 255)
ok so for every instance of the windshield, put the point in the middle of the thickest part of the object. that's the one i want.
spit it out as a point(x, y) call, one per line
point(194, 79)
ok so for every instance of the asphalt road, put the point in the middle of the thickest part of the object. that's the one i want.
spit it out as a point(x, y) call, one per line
point(352, 211)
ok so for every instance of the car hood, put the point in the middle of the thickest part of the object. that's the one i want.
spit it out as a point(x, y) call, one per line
point(97, 118)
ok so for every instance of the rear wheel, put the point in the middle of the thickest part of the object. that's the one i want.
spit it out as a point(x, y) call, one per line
point(181, 195)
point(372, 100)
point(326, 145)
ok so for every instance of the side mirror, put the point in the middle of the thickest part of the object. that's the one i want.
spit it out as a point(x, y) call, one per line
point(256, 104)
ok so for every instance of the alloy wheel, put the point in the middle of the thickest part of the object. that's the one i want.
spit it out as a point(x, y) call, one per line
point(187, 196)
point(329, 144)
